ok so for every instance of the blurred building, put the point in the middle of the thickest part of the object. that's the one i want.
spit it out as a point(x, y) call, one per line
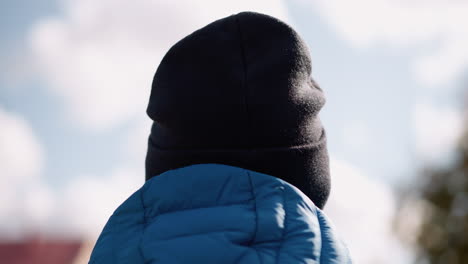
point(45, 251)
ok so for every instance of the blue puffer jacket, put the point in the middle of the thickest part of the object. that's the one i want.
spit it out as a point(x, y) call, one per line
point(211, 213)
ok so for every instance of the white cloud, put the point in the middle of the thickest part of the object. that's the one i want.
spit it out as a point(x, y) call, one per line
point(37, 205)
point(436, 130)
point(21, 164)
point(28, 205)
point(357, 135)
point(100, 56)
point(79, 209)
point(434, 27)
point(21, 155)
point(137, 140)
point(87, 202)
point(363, 210)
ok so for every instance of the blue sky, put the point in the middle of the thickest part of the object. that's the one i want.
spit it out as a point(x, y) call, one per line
point(76, 76)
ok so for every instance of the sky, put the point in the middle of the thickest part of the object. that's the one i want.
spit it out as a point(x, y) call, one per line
point(75, 77)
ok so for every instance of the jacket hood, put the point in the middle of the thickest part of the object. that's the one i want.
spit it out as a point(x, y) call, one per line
point(213, 213)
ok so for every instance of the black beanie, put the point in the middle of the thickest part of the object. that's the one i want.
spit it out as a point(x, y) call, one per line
point(239, 92)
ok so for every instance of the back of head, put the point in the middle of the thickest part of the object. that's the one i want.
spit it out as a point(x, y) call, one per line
point(239, 92)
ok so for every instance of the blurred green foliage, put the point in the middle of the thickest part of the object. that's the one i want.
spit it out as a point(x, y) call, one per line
point(443, 234)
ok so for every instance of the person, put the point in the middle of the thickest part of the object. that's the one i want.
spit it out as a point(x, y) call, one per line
point(237, 166)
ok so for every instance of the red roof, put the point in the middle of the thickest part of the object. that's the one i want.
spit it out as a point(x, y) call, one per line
point(37, 251)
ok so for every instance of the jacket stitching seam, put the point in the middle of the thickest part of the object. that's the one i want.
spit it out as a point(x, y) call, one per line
point(283, 233)
point(145, 222)
point(150, 219)
point(254, 238)
point(319, 219)
point(223, 231)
